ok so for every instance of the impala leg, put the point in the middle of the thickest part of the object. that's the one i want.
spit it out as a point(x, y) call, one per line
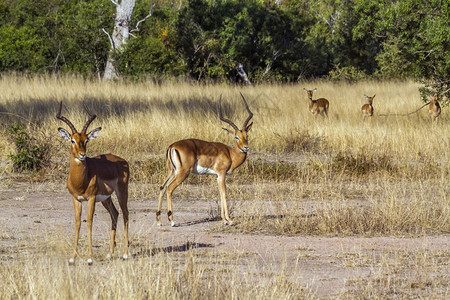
point(163, 189)
point(123, 202)
point(90, 217)
point(158, 212)
point(161, 195)
point(178, 179)
point(109, 205)
point(223, 200)
point(77, 208)
point(169, 207)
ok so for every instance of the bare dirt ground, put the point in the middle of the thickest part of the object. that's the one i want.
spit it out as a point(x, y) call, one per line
point(326, 266)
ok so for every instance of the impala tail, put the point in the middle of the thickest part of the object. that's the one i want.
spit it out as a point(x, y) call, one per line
point(171, 165)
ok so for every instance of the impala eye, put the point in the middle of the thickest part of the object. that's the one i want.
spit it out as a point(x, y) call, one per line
point(237, 138)
point(73, 141)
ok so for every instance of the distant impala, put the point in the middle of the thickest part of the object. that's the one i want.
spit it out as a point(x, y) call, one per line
point(367, 109)
point(205, 158)
point(94, 179)
point(434, 109)
point(318, 106)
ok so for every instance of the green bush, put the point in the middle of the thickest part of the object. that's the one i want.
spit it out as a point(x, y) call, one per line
point(29, 155)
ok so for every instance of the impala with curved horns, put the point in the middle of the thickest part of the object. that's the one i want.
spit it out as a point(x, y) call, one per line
point(434, 109)
point(318, 106)
point(94, 179)
point(205, 158)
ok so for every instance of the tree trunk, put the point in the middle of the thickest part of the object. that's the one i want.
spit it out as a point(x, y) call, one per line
point(243, 75)
point(120, 35)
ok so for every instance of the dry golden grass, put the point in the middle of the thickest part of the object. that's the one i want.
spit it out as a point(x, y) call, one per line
point(394, 168)
point(304, 175)
point(399, 274)
point(155, 273)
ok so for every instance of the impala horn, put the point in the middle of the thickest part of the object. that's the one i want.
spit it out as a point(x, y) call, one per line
point(91, 118)
point(58, 115)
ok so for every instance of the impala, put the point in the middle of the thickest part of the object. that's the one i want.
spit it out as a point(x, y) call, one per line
point(94, 179)
point(367, 109)
point(434, 109)
point(318, 106)
point(205, 158)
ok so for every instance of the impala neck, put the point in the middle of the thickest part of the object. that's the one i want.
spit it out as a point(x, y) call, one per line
point(237, 157)
point(78, 176)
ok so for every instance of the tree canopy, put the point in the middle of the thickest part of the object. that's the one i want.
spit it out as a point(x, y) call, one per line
point(276, 41)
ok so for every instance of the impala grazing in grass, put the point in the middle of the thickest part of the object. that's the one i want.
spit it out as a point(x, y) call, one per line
point(318, 106)
point(94, 179)
point(367, 109)
point(205, 158)
point(434, 109)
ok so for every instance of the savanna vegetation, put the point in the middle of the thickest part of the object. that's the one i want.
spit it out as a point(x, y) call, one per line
point(305, 176)
point(289, 147)
point(203, 40)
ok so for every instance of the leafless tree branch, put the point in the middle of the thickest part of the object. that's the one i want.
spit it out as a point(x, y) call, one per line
point(110, 39)
point(140, 21)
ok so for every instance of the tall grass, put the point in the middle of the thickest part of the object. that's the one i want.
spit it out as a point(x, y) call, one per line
point(331, 159)
point(304, 176)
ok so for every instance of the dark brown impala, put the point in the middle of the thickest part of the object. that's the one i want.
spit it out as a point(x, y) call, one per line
point(94, 179)
point(318, 106)
point(205, 158)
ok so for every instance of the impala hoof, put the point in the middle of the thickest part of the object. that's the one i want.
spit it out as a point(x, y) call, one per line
point(172, 223)
point(109, 256)
point(89, 261)
point(125, 256)
point(158, 224)
point(228, 222)
point(71, 261)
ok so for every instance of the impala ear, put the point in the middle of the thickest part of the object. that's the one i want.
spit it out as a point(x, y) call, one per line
point(64, 134)
point(305, 90)
point(315, 89)
point(374, 96)
point(94, 133)
point(249, 127)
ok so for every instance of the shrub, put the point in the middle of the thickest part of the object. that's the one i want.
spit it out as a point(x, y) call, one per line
point(29, 155)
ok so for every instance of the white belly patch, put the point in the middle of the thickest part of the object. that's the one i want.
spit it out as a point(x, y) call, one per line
point(203, 171)
point(101, 198)
point(98, 198)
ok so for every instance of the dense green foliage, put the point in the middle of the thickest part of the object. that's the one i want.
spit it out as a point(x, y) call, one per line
point(279, 41)
point(29, 155)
